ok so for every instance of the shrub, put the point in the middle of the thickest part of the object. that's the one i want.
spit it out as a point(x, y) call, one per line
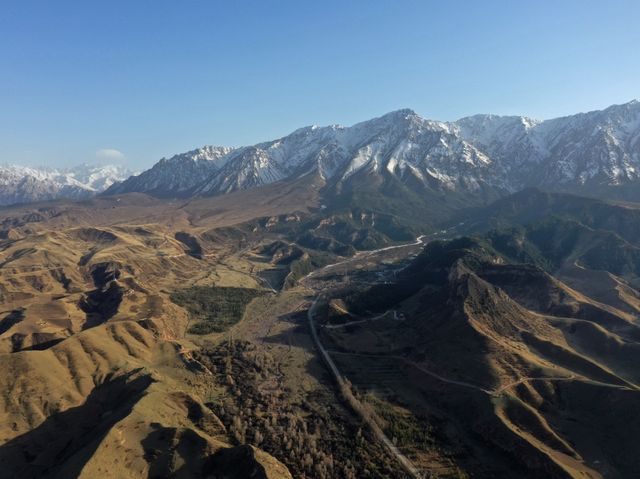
point(214, 309)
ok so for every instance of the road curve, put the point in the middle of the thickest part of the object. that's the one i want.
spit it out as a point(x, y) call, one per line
point(420, 240)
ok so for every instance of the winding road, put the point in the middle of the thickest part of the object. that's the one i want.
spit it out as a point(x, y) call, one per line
point(355, 403)
point(357, 406)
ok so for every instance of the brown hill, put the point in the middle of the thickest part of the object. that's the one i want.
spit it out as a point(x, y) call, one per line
point(98, 378)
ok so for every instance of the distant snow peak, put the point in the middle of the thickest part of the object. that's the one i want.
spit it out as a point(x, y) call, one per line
point(24, 184)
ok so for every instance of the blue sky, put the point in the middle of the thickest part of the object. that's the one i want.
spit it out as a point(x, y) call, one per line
point(137, 80)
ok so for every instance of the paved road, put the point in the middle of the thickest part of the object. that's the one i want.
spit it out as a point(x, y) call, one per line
point(406, 463)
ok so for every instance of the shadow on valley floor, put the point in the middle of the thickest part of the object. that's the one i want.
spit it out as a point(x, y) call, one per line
point(101, 304)
point(66, 441)
point(167, 447)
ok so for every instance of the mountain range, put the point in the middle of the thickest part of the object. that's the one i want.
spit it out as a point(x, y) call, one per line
point(23, 184)
point(159, 338)
point(595, 152)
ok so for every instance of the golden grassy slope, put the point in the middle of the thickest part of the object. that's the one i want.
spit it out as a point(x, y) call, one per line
point(97, 378)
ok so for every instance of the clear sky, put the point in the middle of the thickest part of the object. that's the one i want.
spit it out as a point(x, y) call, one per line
point(135, 80)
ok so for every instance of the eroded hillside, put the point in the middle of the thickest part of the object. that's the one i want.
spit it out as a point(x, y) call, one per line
point(128, 333)
point(157, 338)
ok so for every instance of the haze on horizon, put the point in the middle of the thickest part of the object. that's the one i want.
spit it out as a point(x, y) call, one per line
point(132, 82)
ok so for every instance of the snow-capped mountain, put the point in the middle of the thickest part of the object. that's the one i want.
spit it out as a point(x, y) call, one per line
point(399, 143)
point(597, 148)
point(178, 175)
point(500, 153)
point(23, 184)
point(98, 177)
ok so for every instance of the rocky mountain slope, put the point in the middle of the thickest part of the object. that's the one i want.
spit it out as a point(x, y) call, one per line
point(591, 152)
point(595, 149)
point(21, 184)
point(178, 175)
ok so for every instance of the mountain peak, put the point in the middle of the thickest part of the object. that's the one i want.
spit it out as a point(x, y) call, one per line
point(403, 116)
point(403, 113)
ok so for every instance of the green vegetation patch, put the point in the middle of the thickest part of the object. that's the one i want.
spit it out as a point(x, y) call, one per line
point(214, 309)
point(305, 265)
point(404, 429)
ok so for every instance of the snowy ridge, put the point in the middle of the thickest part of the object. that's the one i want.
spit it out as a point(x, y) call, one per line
point(178, 175)
point(23, 184)
point(505, 153)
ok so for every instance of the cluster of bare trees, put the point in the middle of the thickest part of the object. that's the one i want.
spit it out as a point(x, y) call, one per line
point(308, 437)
